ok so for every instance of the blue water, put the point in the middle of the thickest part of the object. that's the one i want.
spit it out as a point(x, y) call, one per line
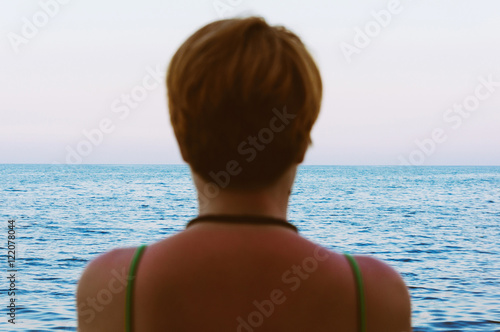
point(438, 226)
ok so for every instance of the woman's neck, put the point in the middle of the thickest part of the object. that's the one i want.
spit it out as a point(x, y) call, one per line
point(270, 201)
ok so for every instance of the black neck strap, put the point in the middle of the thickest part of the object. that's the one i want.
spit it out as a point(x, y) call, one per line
point(243, 219)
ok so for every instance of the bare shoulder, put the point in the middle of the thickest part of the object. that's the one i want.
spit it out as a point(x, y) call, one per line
point(101, 291)
point(387, 298)
point(381, 272)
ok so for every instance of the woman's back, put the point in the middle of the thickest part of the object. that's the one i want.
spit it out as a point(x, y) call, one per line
point(227, 277)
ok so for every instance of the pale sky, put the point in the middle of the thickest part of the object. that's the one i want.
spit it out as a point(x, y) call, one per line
point(406, 81)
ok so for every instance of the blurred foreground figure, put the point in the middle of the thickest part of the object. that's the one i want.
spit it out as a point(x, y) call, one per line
point(243, 97)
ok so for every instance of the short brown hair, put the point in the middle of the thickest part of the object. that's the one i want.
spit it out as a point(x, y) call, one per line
point(225, 84)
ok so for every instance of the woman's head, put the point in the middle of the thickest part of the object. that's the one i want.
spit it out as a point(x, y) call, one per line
point(243, 93)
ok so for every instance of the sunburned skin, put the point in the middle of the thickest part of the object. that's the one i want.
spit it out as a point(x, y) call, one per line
point(227, 281)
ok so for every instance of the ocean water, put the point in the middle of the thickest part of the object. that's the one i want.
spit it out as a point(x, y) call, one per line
point(438, 226)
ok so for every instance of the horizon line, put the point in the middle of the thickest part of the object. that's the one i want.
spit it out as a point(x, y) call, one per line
point(185, 164)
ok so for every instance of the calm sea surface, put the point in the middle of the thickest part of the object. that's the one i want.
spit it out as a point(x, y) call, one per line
point(438, 226)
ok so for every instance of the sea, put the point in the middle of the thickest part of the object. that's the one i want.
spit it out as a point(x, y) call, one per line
point(438, 226)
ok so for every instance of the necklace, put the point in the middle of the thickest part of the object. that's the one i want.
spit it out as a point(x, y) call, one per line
point(242, 219)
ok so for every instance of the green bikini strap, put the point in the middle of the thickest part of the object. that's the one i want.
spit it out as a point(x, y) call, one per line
point(360, 292)
point(130, 287)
